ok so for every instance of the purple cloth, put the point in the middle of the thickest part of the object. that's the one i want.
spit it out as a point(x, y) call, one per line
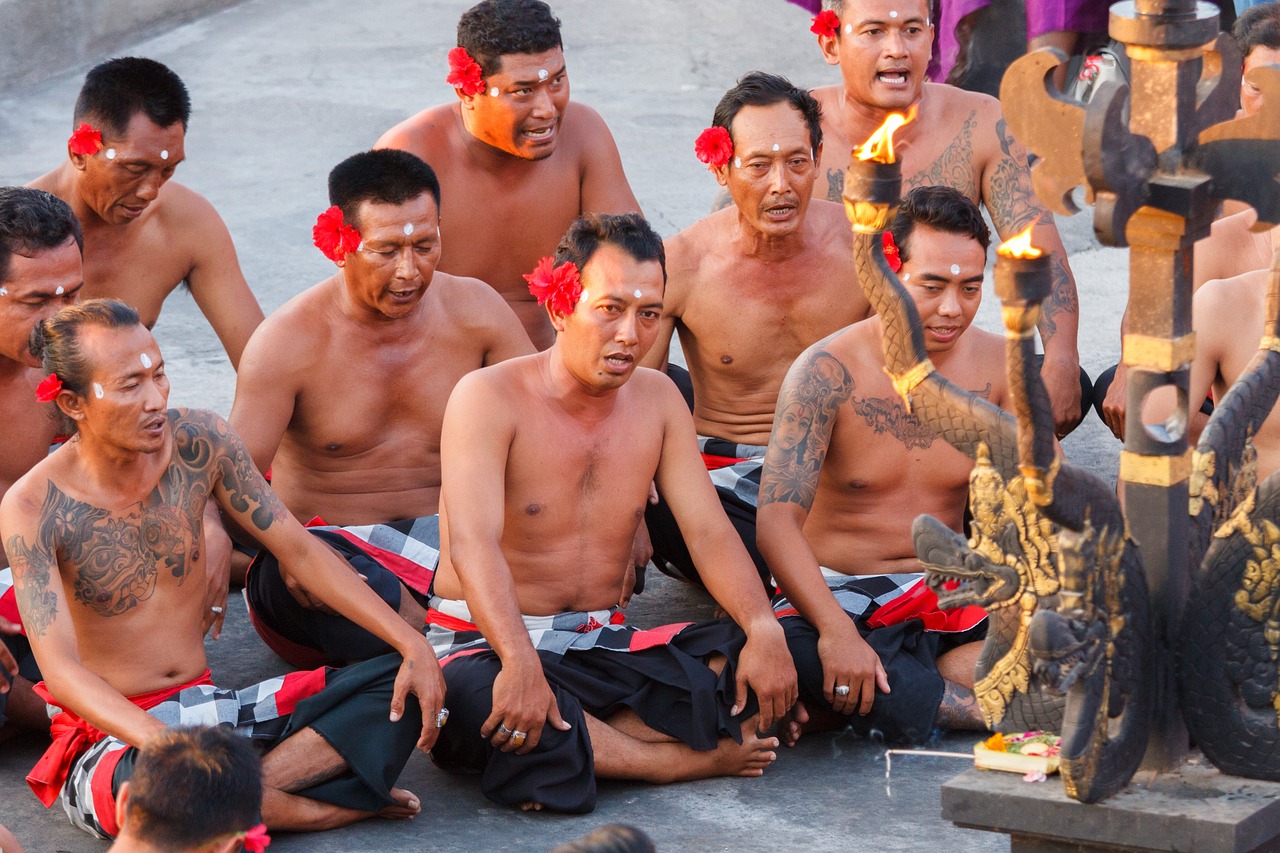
point(813, 6)
point(1077, 16)
point(945, 46)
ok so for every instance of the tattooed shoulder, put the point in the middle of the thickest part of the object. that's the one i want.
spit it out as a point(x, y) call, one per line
point(34, 568)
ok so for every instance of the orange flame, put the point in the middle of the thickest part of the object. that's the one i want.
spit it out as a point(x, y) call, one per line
point(879, 146)
point(1019, 246)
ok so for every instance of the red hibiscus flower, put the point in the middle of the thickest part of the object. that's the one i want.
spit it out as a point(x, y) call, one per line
point(49, 388)
point(85, 140)
point(256, 840)
point(714, 147)
point(333, 236)
point(464, 72)
point(560, 287)
point(891, 254)
point(825, 23)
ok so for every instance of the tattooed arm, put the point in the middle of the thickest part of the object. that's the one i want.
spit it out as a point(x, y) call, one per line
point(30, 538)
point(1007, 193)
point(815, 388)
point(206, 441)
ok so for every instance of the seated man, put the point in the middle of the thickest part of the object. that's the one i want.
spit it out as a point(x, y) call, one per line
point(143, 234)
point(39, 273)
point(342, 390)
point(848, 470)
point(557, 692)
point(772, 254)
point(104, 536)
point(193, 790)
point(523, 161)
point(957, 139)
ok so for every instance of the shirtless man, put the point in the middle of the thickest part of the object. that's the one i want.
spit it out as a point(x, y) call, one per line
point(1232, 248)
point(958, 139)
point(557, 692)
point(772, 254)
point(143, 234)
point(523, 161)
point(104, 538)
point(39, 273)
point(341, 392)
point(849, 469)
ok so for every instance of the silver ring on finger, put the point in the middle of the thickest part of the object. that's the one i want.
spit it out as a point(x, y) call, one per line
point(517, 737)
point(842, 690)
point(442, 717)
point(504, 731)
point(216, 609)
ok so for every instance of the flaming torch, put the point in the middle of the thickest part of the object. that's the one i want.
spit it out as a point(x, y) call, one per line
point(873, 182)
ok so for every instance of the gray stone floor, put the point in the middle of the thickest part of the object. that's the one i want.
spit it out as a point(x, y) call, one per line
point(284, 89)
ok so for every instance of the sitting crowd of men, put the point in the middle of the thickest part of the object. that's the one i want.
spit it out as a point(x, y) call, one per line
point(445, 593)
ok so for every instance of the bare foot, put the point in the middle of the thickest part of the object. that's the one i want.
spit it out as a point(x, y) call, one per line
point(531, 807)
point(749, 758)
point(406, 805)
point(791, 726)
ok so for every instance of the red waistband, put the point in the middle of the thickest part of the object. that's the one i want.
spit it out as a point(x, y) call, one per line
point(72, 737)
point(715, 463)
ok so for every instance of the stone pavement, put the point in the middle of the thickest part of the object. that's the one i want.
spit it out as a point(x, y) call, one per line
point(283, 90)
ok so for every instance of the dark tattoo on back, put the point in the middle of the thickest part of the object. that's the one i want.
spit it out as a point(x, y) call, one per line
point(807, 405)
point(888, 415)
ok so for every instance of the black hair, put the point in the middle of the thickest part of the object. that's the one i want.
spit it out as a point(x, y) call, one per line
point(56, 340)
point(194, 785)
point(118, 89)
point(32, 221)
point(382, 176)
point(494, 28)
point(628, 231)
point(941, 208)
point(758, 89)
point(611, 838)
point(1258, 26)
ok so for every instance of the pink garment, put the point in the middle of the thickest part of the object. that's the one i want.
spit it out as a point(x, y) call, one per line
point(1076, 16)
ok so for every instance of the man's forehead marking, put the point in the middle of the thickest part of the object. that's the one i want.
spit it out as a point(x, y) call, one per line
point(164, 155)
point(145, 359)
point(636, 293)
point(97, 390)
point(893, 13)
point(59, 290)
point(542, 74)
point(955, 269)
point(4, 291)
point(111, 153)
point(493, 93)
point(408, 228)
point(777, 147)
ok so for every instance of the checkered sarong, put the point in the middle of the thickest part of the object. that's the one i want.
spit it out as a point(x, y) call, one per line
point(884, 600)
point(416, 541)
point(260, 712)
point(734, 468)
point(452, 633)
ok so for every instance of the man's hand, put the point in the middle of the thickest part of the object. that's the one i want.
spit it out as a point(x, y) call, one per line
point(1113, 406)
point(1062, 380)
point(766, 667)
point(305, 598)
point(522, 704)
point(847, 661)
point(7, 661)
point(420, 675)
point(217, 567)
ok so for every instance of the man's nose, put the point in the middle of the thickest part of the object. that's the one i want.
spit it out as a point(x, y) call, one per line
point(950, 303)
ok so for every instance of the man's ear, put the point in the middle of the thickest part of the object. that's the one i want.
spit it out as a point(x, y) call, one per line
point(122, 799)
point(830, 47)
point(71, 404)
point(722, 174)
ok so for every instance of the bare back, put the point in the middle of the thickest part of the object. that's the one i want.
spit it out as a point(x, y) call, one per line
point(29, 427)
point(562, 477)
point(131, 564)
point(743, 321)
point(355, 408)
point(883, 466)
point(500, 214)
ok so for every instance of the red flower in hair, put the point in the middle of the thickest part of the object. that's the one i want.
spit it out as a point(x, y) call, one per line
point(560, 287)
point(256, 840)
point(891, 254)
point(714, 147)
point(333, 236)
point(49, 388)
point(825, 23)
point(464, 72)
point(85, 140)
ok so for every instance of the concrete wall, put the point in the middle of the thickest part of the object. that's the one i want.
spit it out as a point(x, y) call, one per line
point(42, 37)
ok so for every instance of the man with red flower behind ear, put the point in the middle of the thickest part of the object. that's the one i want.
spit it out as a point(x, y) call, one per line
point(750, 287)
point(849, 468)
point(341, 393)
point(144, 234)
point(518, 160)
point(957, 139)
point(547, 462)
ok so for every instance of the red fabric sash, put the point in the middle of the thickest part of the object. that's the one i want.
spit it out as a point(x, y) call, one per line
point(921, 603)
point(715, 463)
point(72, 737)
point(9, 609)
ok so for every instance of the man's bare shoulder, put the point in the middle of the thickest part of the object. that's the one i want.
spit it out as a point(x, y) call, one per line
point(1221, 302)
point(944, 103)
point(425, 134)
point(472, 305)
point(299, 327)
point(587, 127)
point(830, 223)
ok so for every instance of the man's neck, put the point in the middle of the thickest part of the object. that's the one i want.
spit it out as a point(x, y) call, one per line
point(488, 157)
point(769, 250)
point(574, 396)
point(66, 187)
point(11, 369)
point(112, 470)
point(858, 120)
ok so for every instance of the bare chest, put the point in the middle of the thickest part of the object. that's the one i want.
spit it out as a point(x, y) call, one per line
point(141, 268)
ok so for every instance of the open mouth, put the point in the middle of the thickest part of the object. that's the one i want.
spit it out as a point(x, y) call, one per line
point(780, 211)
point(541, 134)
point(619, 361)
point(892, 78)
point(944, 334)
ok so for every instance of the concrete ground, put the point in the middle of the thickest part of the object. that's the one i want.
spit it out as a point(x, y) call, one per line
point(283, 90)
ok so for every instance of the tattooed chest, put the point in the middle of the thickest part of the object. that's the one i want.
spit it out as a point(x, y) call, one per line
point(117, 559)
point(953, 166)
